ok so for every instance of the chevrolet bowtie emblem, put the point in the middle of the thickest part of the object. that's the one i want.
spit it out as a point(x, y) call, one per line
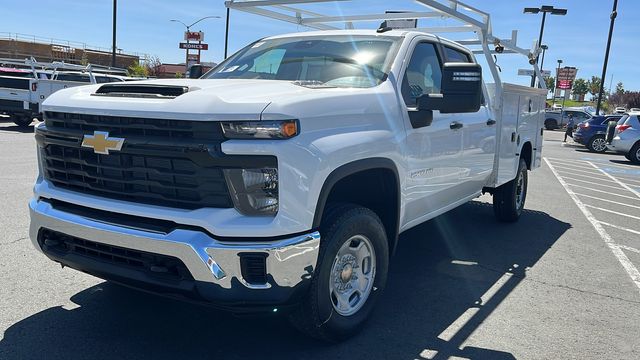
point(101, 143)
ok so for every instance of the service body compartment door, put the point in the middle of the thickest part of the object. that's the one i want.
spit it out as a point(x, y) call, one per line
point(521, 121)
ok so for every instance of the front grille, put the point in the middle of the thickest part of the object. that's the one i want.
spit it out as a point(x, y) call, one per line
point(156, 265)
point(121, 126)
point(156, 180)
point(162, 162)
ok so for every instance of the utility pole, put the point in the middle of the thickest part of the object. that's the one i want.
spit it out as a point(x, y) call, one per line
point(113, 49)
point(614, 14)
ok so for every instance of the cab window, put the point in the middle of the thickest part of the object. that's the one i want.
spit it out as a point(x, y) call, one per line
point(454, 55)
point(423, 74)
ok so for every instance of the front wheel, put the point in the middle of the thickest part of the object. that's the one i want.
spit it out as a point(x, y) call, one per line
point(349, 277)
point(597, 144)
point(509, 198)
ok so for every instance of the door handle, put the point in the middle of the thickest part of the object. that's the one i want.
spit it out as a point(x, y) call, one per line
point(491, 122)
point(455, 125)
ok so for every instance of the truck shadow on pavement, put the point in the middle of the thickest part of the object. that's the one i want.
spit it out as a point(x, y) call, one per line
point(16, 129)
point(461, 265)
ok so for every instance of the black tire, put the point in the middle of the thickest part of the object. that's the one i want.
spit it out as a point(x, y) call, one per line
point(634, 154)
point(22, 121)
point(505, 198)
point(550, 124)
point(597, 144)
point(316, 316)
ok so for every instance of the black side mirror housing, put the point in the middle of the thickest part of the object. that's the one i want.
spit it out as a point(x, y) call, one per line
point(461, 90)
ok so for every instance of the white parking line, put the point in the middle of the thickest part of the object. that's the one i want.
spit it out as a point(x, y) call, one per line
point(620, 227)
point(580, 171)
point(607, 200)
point(612, 212)
point(606, 192)
point(576, 168)
point(629, 248)
point(570, 163)
point(617, 252)
point(562, 172)
point(591, 182)
point(618, 181)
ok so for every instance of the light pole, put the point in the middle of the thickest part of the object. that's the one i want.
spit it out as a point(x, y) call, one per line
point(544, 49)
point(614, 14)
point(557, 82)
point(188, 27)
point(544, 9)
point(113, 45)
point(226, 35)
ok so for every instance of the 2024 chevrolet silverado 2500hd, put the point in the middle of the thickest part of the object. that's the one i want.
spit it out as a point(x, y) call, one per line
point(283, 177)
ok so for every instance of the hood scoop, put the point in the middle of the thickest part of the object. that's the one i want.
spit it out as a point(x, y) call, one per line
point(141, 91)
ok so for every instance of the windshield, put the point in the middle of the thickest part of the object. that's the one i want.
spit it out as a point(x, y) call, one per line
point(333, 61)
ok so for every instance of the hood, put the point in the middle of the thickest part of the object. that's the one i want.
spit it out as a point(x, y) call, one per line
point(211, 99)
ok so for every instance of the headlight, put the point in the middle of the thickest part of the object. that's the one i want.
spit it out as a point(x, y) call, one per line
point(254, 191)
point(260, 129)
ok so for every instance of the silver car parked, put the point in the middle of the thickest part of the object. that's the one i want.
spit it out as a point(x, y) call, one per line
point(626, 139)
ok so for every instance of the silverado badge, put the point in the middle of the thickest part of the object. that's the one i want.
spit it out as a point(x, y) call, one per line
point(101, 143)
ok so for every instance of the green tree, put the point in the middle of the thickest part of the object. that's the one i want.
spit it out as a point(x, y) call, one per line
point(580, 87)
point(594, 86)
point(620, 88)
point(550, 82)
point(138, 70)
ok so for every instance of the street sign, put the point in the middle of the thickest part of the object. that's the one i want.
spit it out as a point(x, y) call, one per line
point(530, 72)
point(194, 46)
point(567, 73)
point(565, 84)
point(194, 36)
point(565, 77)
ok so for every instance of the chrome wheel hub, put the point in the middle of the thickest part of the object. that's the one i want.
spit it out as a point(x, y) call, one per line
point(352, 275)
point(599, 144)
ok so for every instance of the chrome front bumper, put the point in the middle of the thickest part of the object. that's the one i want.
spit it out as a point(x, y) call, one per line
point(214, 264)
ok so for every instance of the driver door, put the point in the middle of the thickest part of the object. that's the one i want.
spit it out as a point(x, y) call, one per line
point(433, 152)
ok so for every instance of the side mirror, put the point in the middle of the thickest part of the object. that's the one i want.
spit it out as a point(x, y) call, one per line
point(461, 90)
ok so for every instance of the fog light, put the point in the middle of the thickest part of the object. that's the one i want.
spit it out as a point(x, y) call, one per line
point(254, 191)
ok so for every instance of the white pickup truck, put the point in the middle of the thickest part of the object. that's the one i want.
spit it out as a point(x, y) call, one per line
point(282, 179)
point(21, 97)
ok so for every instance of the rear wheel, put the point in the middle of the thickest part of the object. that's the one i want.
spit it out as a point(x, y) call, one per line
point(551, 124)
point(597, 144)
point(509, 198)
point(634, 154)
point(349, 277)
point(22, 121)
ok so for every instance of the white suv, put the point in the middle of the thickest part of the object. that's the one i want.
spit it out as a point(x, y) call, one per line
point(626, 139)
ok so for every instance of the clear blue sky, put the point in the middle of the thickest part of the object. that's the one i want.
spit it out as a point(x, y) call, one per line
point(143, 26)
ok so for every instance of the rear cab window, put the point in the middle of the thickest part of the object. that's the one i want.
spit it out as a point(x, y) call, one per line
point(454, 55)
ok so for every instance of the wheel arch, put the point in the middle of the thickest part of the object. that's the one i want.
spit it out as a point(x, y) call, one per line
point(345, 184)
point(526, 152)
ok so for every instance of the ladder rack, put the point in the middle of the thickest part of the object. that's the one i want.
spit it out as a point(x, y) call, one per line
point(34, 65)
point(468, 20)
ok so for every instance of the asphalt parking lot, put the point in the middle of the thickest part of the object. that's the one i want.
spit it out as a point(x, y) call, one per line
point(562, 283)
